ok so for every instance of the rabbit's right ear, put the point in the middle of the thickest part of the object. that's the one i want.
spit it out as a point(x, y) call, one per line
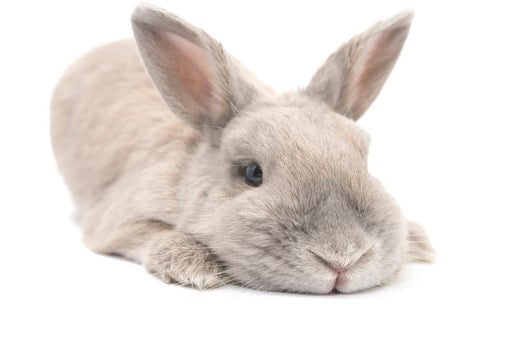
point(193, 73)
point(353, 76)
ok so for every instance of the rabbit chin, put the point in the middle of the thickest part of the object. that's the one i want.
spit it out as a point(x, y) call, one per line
point(346, 286)
point(342, 284)
point(322, 284)
point(345, 283)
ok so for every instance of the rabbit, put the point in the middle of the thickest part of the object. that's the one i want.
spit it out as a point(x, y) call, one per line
point(180, 159)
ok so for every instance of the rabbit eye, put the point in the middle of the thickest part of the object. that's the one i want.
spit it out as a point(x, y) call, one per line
point(253, 175)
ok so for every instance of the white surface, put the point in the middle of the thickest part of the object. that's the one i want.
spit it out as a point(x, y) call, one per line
point(446, 143)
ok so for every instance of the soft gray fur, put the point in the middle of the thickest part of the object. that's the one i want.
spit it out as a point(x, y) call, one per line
point(164, 189)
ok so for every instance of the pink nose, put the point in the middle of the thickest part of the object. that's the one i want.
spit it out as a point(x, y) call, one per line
point(339, 270)
point(333, 265)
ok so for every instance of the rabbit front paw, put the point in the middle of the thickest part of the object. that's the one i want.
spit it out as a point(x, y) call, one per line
point(180, 259)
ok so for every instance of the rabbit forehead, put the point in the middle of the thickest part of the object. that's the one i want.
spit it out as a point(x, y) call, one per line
point(296, 131)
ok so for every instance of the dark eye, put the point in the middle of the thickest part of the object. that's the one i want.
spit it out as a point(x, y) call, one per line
point(253, 175)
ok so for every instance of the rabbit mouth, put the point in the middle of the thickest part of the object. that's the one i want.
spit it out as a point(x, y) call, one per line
point(321, 284)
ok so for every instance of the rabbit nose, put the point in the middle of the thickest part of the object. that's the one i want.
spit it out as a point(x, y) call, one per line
point(339, 270)
point(341, 264)
point(332, 264)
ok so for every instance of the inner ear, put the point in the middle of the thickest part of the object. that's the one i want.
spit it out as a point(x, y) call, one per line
point(194, 75)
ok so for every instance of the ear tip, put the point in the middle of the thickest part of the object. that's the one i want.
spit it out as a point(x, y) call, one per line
point(402, 19)
point(142, 14)
point(147, 14)
point(399, 24)
point(147, 18)
point(141, 11)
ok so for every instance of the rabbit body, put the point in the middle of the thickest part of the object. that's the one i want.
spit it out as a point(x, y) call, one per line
point(167, 189)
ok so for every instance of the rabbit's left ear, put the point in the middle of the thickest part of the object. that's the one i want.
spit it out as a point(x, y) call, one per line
point(353, 76)
point(193, 73)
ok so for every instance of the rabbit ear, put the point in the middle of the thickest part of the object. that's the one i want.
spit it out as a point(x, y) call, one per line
point(190, 69)
point(353, 76)
point(419, 247)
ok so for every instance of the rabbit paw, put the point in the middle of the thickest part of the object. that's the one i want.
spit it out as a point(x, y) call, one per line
point(177, 258)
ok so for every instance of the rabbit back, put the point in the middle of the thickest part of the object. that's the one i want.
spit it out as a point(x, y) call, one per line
point(108, 121)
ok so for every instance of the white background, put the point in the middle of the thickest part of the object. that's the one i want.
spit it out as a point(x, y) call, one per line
point(445, 142)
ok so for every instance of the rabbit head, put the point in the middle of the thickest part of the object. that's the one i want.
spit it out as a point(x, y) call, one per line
point(279, 188)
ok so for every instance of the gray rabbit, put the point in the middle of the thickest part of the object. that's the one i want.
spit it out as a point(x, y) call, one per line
point(191, 166)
